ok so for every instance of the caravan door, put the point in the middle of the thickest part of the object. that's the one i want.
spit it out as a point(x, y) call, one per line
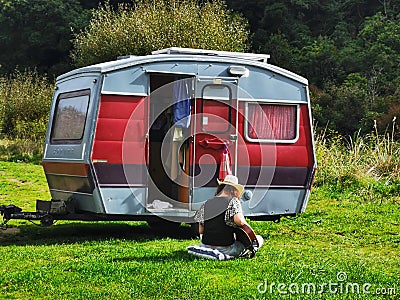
point(215, 135)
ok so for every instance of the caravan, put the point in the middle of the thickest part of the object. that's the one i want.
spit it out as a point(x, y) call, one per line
point(147, 137)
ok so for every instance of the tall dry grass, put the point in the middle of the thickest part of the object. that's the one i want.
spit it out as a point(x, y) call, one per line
point(360, 167)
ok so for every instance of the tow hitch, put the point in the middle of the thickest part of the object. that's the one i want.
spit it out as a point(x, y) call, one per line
point(46, 212)
point(14, 212)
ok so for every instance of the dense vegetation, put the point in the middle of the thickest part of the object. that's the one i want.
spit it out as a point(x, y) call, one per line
point(349, 50)
point(36, 34)
point(25, 99)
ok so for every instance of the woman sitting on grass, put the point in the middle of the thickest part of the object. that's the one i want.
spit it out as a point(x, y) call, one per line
point(219, 216)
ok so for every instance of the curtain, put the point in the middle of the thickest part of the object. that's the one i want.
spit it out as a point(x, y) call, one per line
point(271, 122)
point(182, 103)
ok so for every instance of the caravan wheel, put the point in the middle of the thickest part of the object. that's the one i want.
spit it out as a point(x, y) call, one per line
point(47, 221)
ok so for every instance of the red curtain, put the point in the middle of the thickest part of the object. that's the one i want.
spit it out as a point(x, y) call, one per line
point(271, 122)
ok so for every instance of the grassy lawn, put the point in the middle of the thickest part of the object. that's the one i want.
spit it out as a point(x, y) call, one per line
point(345, 249)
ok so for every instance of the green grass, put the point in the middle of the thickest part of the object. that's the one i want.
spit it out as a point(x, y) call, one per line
point(126, 260)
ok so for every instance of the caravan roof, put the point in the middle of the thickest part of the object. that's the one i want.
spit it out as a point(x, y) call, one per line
point(187, 54)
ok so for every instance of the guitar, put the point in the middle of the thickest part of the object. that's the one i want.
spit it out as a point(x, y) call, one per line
point(247, 237)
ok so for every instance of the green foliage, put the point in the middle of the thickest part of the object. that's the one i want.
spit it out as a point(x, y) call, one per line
point(380, 38)
point(319, 61)
point(21, 150)
point(153, 25)
point(373, 54)
point(25, 100)
point(343, 108)
point(37, 34)
point(278, 46)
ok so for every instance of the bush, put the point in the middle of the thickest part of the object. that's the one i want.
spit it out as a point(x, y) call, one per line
point(19, 150)
point(343, 108)
point(153, 25)
point(25, 100)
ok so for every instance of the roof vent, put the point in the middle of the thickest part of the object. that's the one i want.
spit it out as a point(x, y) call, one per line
point(238, 71)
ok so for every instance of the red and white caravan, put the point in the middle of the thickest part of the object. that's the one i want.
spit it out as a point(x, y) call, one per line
point(146, 137)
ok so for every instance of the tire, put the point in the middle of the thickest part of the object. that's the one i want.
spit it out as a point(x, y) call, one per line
point(47, 221)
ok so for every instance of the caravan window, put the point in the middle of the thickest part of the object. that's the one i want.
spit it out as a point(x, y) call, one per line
point(70, 117)
point(216, 108)
point(271, 122)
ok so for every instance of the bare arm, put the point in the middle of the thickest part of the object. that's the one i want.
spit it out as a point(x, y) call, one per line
point(239, 219)
point(201, 228)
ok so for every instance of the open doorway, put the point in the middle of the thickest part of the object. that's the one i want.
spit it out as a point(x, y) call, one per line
point(169, 141)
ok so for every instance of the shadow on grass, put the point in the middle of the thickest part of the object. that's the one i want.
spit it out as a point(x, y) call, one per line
point(78, 232)
point(181, 254)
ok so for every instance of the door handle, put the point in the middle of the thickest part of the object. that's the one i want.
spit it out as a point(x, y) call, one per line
point(214, 143)
point(233, 137)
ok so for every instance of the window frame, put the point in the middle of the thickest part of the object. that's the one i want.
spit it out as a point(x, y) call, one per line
point(276, 141)
point(221, 100)
point(63, 96)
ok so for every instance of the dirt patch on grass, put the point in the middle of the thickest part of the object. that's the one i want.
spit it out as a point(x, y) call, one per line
point(18, 181)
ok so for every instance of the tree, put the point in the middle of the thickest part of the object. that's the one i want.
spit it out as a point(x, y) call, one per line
point(280, 50)
point(319, 61)
point(25, 99)
point(36, 34)
point(343, 108)
point(151, 25)
point(380, 37)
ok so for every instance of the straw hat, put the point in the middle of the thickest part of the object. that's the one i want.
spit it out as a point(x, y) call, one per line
point(233, 181)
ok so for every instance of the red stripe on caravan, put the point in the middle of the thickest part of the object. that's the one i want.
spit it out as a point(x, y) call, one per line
point(111, 129)
point(120, 107)
point(121, 120)
point(115, 152)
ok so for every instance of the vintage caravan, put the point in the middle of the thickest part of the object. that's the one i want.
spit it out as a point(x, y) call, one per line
point(147, 137)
